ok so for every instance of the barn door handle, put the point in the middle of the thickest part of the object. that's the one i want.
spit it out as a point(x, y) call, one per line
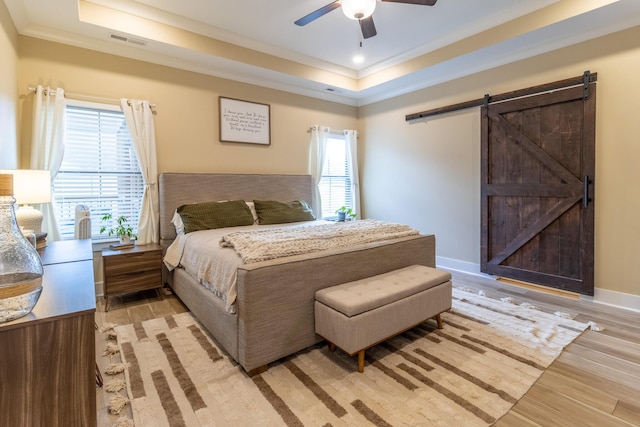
point(585, 197)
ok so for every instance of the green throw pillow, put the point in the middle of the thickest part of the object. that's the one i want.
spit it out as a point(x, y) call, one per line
point(272, 212)
point(205, 216)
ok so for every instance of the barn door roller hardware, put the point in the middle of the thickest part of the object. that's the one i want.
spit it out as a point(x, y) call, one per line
point(584, 80)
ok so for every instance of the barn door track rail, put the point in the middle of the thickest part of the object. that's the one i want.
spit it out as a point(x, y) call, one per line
point(584, 80)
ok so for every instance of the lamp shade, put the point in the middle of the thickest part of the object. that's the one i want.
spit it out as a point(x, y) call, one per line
point(358, 9)
point(31, 186)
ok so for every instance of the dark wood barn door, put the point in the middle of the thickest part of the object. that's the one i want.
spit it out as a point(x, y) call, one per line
point(538, 165)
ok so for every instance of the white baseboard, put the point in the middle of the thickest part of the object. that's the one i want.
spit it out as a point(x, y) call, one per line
point(461, 266)
point(602, 296)
point(614, 299)
point(99, 289)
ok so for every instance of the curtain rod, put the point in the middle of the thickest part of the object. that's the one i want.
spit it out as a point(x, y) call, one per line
point(332, 131)
point(90, 98)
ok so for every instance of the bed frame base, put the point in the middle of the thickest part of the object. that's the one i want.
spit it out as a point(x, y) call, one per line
point(275, 301)
point(258, 370)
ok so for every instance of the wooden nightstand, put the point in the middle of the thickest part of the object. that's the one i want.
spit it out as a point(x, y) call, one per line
point(132, 270)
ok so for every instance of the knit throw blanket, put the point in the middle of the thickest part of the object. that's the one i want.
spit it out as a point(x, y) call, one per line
point(263, 245)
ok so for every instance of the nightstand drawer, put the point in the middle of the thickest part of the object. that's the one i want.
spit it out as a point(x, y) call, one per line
point(132, 262)
point(134, 281)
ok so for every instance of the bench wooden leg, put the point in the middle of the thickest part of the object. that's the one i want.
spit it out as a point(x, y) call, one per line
point(361, 361)
point(439, 320)
point(332, 347)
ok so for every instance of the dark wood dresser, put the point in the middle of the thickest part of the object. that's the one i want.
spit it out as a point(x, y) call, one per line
point(47, 358)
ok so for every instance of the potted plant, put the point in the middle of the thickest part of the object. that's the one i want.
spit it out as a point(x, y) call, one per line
point(119, 228)
point(345, 212)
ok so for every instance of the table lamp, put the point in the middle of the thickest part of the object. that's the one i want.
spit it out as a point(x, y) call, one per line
point(30, 187)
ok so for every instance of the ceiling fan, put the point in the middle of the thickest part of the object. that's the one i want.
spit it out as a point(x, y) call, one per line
point(360, 10)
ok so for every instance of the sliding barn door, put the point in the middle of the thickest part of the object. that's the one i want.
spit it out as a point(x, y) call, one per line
point(538, 165)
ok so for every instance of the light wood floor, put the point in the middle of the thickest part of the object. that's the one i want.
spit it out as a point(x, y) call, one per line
point(594, 382)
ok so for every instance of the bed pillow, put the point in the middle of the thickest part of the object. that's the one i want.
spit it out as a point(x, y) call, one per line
point(177, 223)
point(272, 212)
point(252, 207)
point(208, 215)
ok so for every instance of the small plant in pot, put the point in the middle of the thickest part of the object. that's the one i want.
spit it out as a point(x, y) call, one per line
point(345, 212)
point(119, 227)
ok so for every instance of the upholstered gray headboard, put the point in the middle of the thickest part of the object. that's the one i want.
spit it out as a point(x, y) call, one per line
point(177, 189)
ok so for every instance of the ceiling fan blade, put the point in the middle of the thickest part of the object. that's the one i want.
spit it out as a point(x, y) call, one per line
point(368, 27)
point(419, 2)
point(318, 13)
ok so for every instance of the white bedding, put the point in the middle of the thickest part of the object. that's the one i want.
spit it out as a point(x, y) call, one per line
point(210, 255)
point(263, 245)
point(216, 267)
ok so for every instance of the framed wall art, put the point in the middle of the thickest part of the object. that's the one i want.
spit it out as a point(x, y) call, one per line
point(244, 121)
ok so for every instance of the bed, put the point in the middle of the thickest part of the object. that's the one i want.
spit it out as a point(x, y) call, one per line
point(273, 313)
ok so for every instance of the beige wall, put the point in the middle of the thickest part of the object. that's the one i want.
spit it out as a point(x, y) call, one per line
point(8, 90)
point(427, 173)
point(186, 122)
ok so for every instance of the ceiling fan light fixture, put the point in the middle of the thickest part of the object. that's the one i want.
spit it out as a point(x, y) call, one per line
point(358, 9)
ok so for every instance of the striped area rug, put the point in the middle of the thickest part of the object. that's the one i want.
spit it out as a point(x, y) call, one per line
point(470, 373)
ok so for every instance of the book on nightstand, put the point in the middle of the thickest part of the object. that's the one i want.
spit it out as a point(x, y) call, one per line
point(121, 246)
point(41, 240)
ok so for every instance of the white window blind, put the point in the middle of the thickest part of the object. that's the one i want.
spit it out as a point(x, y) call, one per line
point(99, 168)
point(335, 184)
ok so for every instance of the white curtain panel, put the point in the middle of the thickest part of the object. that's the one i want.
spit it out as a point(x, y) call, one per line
point(351, 137)
point(139, 118)
point(317, 149)
point(47, 146)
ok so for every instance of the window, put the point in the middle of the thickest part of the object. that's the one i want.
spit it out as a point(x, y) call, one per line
point(335, 184)
point(99, 168)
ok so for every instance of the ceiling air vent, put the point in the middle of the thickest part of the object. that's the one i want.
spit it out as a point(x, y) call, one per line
point(138, 42)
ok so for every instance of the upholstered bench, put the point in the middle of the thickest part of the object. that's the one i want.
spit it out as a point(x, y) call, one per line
point(358, 315)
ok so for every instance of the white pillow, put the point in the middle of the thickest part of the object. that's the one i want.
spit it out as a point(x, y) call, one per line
point(177, 223)
point(253, 211)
